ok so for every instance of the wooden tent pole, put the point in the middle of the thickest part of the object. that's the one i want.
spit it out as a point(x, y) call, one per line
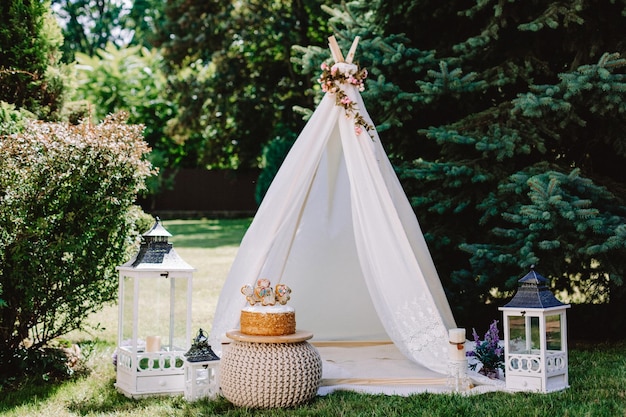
point(334, 49)
point(352, 51)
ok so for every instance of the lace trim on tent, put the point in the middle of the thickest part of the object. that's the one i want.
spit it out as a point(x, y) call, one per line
point(428, 336)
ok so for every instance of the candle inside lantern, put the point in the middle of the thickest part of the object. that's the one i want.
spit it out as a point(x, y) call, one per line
point(457, 344)
point(153, 343)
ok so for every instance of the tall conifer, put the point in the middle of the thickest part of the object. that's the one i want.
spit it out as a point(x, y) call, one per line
point(29, 50)
point(507, 123)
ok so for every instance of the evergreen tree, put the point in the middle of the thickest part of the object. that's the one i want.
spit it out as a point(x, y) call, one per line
point(30, 77)
point(506, 121)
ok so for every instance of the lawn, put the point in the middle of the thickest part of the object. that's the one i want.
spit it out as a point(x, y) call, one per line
point(597, 371)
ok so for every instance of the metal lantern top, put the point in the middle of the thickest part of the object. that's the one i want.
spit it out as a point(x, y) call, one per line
point(533, 292)
point(157, 232)
point(200, 350)
point(156, 253)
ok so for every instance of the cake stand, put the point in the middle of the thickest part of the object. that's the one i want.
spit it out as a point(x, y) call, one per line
point(270, 371)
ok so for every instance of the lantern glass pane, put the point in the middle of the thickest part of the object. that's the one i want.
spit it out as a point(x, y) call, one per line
point(517, 334)
point(553, 332)
point(179, 311)
point(523, 334)
point(127, 311)
point(153, 314)
point(535, 341)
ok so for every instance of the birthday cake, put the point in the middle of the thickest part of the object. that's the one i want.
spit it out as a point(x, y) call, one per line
point(267, 313)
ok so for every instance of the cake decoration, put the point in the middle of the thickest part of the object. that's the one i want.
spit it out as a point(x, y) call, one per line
point(283, 293)
point(267, 314)
point(264, 294)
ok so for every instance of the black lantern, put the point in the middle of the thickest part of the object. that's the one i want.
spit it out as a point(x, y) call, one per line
point(201, 370)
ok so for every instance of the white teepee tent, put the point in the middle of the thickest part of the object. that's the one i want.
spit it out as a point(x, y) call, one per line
point(337, 228)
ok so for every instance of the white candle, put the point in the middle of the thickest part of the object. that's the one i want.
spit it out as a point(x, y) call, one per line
point(457, 344)
point(153, 343)
point(456, 335)
point(457, 354)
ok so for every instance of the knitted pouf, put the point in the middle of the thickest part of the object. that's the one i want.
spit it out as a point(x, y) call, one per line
point(270, 375)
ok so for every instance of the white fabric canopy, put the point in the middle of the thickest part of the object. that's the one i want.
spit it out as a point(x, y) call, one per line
point(337, 228)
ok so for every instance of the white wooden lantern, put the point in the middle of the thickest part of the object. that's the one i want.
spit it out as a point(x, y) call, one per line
point(201, 370)
point(535, 337)
point(154, 318)
point(201, 380)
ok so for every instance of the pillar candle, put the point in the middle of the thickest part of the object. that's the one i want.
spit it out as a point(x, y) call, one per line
point(456, 335)
point(457, 344)
point(153, 343)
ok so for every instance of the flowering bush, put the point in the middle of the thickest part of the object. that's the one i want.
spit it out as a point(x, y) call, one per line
point(67, 217)
point(488, 351)
point(331, 81)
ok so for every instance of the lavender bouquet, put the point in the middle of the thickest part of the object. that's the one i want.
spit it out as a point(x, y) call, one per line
point(488, 352)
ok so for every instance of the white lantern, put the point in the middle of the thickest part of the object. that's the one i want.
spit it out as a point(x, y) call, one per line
point(535, 337)
point(154, 318)
point(201, 380)
point(201, 370)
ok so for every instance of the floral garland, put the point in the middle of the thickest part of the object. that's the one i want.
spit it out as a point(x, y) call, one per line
point(331, 78)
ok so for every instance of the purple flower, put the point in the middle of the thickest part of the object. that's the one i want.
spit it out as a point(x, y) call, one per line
point(476, 338)
point(488, 351)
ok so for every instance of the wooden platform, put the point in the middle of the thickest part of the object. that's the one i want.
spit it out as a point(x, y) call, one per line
point(298, 336)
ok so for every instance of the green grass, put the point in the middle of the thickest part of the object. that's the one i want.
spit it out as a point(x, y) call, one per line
point(597, 371)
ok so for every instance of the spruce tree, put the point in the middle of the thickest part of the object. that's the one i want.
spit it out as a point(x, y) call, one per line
point(506, 123)
point(29, 52)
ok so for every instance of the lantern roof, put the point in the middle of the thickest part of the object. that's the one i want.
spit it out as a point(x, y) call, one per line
point(200, 350)
point(156, 253)
point(533, 292)
point(157, 230)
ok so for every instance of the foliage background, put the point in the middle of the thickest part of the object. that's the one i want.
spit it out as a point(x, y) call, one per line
point(507, 131)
